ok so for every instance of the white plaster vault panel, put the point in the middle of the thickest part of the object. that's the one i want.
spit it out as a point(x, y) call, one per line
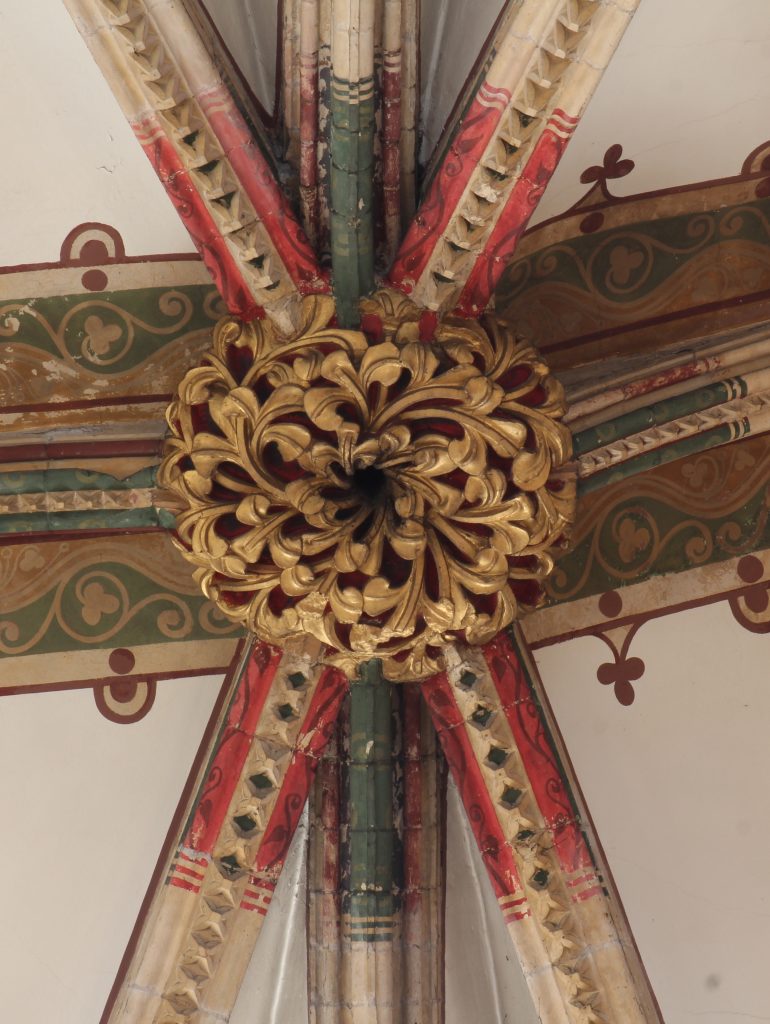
point(249, 29)
point(69, 155)
point(484, 982)
point(686, 95)
point(677, 786)
point(85, 806)
point(274, 989)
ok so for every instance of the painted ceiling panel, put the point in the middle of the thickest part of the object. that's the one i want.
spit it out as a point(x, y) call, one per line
point(86, 804)
point(677, 786)
point(663, 101)
point(70, 155)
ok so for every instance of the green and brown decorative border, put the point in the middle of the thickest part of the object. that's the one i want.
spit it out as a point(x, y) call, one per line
point(696, 511)
point(615, 276)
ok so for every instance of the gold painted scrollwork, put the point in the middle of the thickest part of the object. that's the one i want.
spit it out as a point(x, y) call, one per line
point(382, 493)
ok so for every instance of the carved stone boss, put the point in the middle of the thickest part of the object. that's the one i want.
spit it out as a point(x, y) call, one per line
point(387, 490)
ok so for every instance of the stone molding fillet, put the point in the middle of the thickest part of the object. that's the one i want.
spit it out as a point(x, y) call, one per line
point(199, 936)
point(184, 117)
point(577, 965)
point(548, 60)
point(381, 493)
point(746, 415)
point(594, 398)
point(76, 501)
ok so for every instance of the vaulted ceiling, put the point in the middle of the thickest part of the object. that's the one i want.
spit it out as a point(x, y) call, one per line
point(644, 278)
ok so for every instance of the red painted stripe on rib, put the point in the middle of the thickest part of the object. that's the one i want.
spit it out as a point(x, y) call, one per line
point(90, 403)
point(525, 720)
point(329, 787)
point(263, 883)
point(200, 861)
point(391, 152)
point(508, 904)
point(182, 883)
point(256, 179)
point(517, 917)
point(444, 195)
point(232, 748)
point(245, 905)
point(470, 782)
point(257, 894)
point(196, 218)
point(521, 204)
point(582, 880)
point(182, 870)
point(588, 894)
point(46, 450)
point(314, 735)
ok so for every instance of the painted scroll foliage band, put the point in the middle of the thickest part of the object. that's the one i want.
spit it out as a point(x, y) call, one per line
point(112, 340)
point(63, 596)
point(704, 509)
point(614, 264)
point(628, 266)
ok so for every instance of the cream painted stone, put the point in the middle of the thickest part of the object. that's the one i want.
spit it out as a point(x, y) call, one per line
point(274, 989)
point(249, 29)
point(449, 45)
point(484, 981)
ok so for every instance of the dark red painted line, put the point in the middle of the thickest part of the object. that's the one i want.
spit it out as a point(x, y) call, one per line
point(683, 314)
point(86, 684)
point(639, 618)
point(79, 449)
point(87, 403)
point(115, 261)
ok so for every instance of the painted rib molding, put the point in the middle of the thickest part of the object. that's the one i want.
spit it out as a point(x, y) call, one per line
point(190, 128)
point(576, 955)
point(545, 62)
point(208, 909)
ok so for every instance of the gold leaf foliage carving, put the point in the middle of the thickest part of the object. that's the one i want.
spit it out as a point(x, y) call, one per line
point(383, 493)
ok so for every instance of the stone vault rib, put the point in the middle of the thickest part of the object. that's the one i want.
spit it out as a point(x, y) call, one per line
point(189, 126)
point(577, 958)
point(545, 62)
point(208, 910)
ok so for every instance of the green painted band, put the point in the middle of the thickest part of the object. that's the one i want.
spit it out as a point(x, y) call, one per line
point(668, 453)
point(658, 414)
